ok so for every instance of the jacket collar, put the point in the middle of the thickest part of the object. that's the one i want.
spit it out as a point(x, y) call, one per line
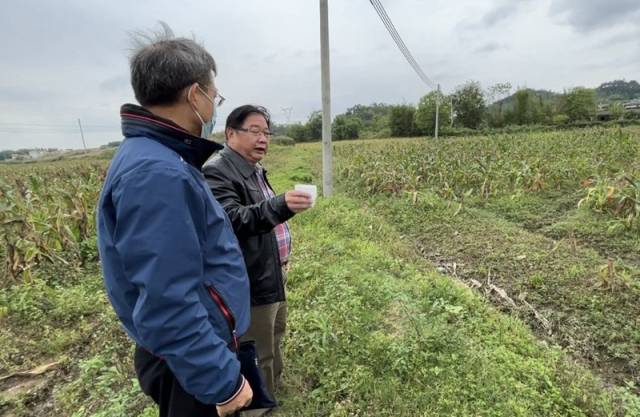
point(246, 168)
point(138, 121)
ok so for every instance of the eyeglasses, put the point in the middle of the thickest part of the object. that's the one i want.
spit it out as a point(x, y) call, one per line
point(255, 131)
point(219, 99)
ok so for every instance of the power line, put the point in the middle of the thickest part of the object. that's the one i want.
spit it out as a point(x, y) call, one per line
point(386, 20)
point(400, 43)
point(392, 30)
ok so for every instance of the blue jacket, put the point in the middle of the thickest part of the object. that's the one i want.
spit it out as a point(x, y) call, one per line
point(168, 250)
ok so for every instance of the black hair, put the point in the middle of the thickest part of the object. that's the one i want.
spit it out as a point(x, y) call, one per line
point(237, 117)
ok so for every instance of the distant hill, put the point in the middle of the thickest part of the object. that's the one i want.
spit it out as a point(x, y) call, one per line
point(545, 96)
point(618, 90)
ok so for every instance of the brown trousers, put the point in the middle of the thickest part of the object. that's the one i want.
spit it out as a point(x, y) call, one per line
point(268, 325)
point(267, 329)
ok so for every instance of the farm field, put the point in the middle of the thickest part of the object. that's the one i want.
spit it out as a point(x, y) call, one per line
point(468, 277)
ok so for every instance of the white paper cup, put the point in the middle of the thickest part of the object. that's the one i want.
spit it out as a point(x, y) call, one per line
point(310, 189)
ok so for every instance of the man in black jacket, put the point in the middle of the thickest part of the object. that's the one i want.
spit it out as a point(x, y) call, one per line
point(259, 218)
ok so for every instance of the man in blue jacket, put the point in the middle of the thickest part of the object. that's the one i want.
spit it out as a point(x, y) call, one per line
point(172, 266)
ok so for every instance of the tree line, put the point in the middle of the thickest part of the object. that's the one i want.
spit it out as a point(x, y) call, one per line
point(470, 108)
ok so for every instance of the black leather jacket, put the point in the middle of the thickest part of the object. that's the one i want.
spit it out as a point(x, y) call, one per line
point(233, 183)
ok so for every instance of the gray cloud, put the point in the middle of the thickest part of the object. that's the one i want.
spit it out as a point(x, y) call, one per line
point(490, 47)
point(627, 39)
point(499, 12)
point(591, 15)
point(502, 12)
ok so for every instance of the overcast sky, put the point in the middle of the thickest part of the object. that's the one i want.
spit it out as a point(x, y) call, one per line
point(64, 60)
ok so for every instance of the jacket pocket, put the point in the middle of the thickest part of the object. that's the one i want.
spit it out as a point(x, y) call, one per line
point(227, 314)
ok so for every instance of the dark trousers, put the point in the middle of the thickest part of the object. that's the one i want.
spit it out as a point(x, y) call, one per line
point(158, 382)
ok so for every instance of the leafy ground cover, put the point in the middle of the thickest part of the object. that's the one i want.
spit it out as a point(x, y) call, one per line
point(374, 328)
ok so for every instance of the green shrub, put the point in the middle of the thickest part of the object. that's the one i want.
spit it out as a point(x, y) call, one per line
point(283, 140)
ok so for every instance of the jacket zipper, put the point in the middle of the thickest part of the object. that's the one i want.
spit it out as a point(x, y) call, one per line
point(227, 315)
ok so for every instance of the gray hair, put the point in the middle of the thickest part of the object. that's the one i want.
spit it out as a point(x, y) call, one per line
point(163, 65)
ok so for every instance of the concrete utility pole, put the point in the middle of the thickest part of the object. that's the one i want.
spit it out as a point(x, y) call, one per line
point(327, 171)
point(451, 104)
point(437, 111)
point(82, 135)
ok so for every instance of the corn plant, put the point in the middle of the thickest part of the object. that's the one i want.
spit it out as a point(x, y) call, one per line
point(619, 197)
point(47, 214)
point(489, 167)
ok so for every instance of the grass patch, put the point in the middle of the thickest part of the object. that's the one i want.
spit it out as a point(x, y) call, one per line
point(501, 213)
point(63, 316)
point(531, 211)
point(599, 232)
point(593, 318)
point(375, 332)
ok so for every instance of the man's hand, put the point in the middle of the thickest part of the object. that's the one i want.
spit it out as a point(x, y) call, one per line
point(242, 400)
point(298, 201)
